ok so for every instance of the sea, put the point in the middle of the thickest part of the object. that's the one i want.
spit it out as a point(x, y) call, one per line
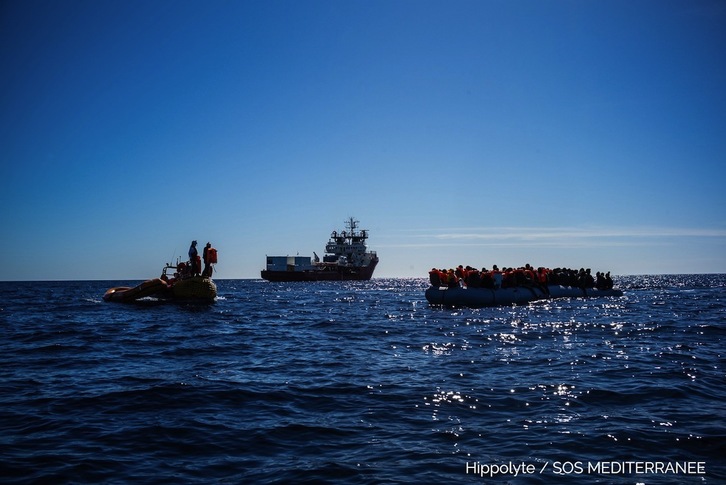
point(363, 383)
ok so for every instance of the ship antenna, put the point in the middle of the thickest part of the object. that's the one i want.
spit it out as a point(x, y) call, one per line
point(353, 224)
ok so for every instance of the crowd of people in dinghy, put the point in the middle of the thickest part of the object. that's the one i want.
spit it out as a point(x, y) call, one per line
point(525, 276)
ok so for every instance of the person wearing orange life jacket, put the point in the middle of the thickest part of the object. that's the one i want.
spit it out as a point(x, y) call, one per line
point(530, 276)
point(543, 279)
point(542, 276)
point(210, 258)
point(473, 278)
point(452, 279)
point(435, 277)
point(461, 274)
point(509, 277)
point(443, 279)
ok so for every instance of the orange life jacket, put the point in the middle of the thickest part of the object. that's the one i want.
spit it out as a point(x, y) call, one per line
point(543, 277)
point(212, 256)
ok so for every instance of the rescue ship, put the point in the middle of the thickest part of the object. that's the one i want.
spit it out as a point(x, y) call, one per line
point(346, 259)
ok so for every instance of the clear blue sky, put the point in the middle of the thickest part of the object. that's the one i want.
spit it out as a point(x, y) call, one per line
point(558, 133)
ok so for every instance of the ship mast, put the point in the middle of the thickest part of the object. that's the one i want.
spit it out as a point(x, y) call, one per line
point(352, 224)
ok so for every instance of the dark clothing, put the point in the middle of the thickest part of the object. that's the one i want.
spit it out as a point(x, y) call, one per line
point(193, 255)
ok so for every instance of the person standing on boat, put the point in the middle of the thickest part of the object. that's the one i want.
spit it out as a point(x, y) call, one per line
point(209, 255)
point(193, 258)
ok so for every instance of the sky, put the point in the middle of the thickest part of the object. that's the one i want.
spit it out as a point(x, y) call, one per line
point(558, 133)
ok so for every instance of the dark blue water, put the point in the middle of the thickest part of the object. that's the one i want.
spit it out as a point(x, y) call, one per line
point(362, 383)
